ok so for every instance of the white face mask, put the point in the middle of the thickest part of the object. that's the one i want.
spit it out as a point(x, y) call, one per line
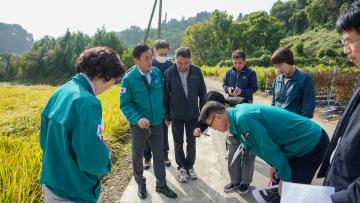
point(161, 59)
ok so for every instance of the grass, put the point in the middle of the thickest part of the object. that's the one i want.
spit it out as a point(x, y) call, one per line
point(20, 152)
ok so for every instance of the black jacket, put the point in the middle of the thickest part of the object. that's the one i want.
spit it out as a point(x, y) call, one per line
point(344, 171)
point(177, 105)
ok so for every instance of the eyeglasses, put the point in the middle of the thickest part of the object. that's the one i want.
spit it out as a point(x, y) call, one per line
point(347, 43)
point(279, 66)
point(211, 123)
point(117, 80)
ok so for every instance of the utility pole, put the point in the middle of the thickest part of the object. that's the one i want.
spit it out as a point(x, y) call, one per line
point(165, 25)
point(149, 24)
point(159, 23)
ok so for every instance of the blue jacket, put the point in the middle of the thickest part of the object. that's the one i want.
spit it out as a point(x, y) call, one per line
point(245, 80)
point(297, 95)
point(344, 171)
point(162, 66)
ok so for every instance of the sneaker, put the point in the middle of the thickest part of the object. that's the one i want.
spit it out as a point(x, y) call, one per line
point(191, 173)
point(231, 187)
point(243, 189)
point(147, 164)
point(166, 191)
point(167, 161)
point(182, 175)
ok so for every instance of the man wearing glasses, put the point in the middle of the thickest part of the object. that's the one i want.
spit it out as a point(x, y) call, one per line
point(341, 166)
point(293, 145)
point(292, 89)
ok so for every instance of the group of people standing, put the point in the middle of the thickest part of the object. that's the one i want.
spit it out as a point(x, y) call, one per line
point(157, 93)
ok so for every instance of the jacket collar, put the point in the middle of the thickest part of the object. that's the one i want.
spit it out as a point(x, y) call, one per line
point(244, 70)
point(138, 74)
point(295, 76)
point(84, 82)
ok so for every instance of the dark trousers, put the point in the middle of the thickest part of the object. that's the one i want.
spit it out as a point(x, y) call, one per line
point(178, 134)
point(139, 137)
point(147, 150)
point(304, 168)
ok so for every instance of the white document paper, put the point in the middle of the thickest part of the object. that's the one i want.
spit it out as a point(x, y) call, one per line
point(236, 154)
point(299, 193)
point(265, 194)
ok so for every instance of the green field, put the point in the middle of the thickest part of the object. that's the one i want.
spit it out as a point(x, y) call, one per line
point(20, 153)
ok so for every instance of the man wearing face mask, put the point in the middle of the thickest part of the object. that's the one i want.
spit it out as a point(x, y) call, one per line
point(161, 61)
point(184, 91)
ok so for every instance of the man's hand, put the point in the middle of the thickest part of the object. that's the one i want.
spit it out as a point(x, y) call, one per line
point(168, 123)
point(230, 91)
point(237, 91)
point(144, 123)
point(197, 132)
point(272, 174)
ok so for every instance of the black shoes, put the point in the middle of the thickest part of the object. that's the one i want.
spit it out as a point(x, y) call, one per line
point(243, 189)
point(142, 191)
point(166, 191)
point(231, 187)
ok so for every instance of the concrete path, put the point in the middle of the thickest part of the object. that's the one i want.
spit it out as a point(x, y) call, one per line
point(211, 167)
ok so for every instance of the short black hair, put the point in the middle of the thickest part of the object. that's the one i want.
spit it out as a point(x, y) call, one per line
point(139, 49)
point(101, 62)
point(209, 109)
point(349, 19)
point(183, 51)
point(214, 96)
point(161, 44)
point(282, 55)
point(238, 54)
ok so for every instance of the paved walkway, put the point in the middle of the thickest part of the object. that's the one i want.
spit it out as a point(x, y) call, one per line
point(211, 167)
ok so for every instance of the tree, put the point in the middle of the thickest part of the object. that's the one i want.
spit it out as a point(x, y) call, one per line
point(209, 41)
point(109, 39)
point(263, 32)
point(283, 11)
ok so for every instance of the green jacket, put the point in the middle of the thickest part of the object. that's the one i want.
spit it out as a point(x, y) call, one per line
point(74, 156)
point(138, 100)
point(274, 134)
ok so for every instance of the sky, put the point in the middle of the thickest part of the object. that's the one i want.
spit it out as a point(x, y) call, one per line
point(53, 17)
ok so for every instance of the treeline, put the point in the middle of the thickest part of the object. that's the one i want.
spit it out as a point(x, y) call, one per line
point(172, 30)
point(51, 60)
point(305, 26)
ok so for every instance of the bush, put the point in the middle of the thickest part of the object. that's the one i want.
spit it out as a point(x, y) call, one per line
point(342, 81)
